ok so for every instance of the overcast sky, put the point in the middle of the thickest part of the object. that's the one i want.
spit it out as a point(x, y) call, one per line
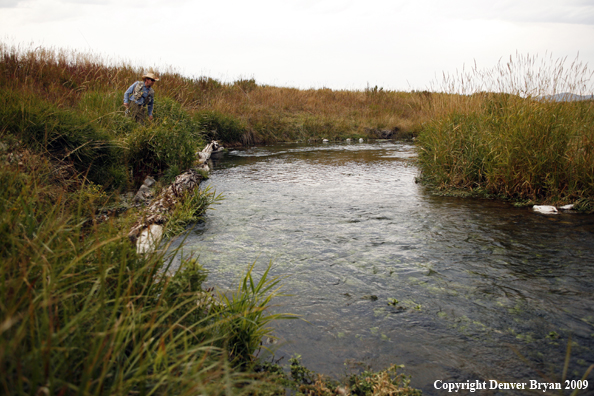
point(339, 44)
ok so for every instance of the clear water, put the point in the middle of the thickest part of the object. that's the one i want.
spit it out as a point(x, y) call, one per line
point(476, 280)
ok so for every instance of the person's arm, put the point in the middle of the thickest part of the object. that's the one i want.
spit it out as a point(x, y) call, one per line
point(128, 93)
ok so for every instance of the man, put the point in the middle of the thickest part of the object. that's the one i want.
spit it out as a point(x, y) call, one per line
point(140, 98)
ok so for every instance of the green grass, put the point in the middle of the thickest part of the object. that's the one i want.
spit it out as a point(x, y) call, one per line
point(82, 313)
point(190, 211)
point(245, 316)
point(513, 146)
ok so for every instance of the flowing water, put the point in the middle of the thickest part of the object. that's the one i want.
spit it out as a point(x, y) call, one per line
point(384, 272)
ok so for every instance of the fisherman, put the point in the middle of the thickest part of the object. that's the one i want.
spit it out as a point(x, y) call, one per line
point(140, 98)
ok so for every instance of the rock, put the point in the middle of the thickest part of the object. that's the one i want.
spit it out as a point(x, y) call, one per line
point(149, 239)
point(203, 167)
point(203, 157)
point(205, 154)
point(361, 140)
point(147, 232)
point(325, 140)
point(545, 209)
point(348, 140)
point(567, 207)
point(218, 151)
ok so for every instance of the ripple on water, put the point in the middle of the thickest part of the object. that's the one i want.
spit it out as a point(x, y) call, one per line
point(344, 222)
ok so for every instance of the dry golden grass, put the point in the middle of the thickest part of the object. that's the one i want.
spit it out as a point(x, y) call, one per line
point(268, 113)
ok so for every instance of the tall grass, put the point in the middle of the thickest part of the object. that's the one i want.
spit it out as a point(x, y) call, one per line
point(82, 313)
point(514, 142)
point(242, 112)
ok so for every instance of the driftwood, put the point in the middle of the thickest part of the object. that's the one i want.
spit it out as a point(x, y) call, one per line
point(147, 232)
point(205, 154)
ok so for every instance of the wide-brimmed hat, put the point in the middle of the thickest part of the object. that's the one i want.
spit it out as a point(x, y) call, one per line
point(150, 74)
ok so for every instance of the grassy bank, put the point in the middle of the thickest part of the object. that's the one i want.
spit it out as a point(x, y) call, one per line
point(513, 142)
point(82, 313)
point(242, 112)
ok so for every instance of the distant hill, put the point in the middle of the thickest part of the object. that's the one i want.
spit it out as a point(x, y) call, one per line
point(567, 97)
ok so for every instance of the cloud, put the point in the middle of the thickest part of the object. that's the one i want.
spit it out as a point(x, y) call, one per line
point(520, 11)
point(9, 3)
point(324, 6)
point(93, 2)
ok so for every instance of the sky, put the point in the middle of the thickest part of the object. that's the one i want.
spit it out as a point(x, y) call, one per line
point(338, 44)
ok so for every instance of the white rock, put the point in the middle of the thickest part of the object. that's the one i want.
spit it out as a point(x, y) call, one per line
point(566, 207)
point(325, 140)
point(546, 209)
point(149, 239)
point(361, 140)
point(206, 152)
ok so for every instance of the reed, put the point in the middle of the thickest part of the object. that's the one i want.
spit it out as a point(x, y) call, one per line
point(515, 142)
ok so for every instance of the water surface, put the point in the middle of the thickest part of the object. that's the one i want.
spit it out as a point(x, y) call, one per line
point(353, 233)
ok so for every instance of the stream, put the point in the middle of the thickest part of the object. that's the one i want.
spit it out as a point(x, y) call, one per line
point(382, 271)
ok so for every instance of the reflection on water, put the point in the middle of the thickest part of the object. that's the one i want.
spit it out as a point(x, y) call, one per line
point(458, 281)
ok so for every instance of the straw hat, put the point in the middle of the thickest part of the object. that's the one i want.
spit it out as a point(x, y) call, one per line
point(150, 74)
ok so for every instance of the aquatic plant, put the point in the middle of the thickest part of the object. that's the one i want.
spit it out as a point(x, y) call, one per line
point(365, 383)
point(574, 387)
point(385, 382)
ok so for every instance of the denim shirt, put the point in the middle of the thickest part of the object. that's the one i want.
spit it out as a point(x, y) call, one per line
point(145, 92)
